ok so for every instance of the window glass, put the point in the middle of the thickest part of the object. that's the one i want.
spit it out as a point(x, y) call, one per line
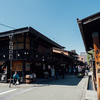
point(20, 46)
point(27, 46)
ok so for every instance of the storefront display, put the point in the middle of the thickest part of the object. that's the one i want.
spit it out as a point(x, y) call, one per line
point(17, 66)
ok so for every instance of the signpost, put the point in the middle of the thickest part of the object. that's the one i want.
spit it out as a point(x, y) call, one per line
point(96, 44)
point(10, 57)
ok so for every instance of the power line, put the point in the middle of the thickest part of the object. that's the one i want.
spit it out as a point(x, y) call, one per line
point(7, 26)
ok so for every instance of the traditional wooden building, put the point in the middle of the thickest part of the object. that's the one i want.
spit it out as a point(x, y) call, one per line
point(66, 58)
point(63, 59)
point(90, 31)
point(32, 52)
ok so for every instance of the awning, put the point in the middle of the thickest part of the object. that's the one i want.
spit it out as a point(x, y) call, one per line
point(87, 27)
point(1, 63)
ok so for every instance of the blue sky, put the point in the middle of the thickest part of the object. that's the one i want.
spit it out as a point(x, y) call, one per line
point(55, 19)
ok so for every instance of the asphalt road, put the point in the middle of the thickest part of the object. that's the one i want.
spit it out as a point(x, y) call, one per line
point(70, 88)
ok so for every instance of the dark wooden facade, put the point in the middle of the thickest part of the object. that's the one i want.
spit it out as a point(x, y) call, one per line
point(32, 52)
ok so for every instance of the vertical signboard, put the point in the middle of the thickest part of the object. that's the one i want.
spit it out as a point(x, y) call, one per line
point(10, 50)
point(96, 44)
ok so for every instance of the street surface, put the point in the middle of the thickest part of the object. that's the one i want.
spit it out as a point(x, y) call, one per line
point(70, 88)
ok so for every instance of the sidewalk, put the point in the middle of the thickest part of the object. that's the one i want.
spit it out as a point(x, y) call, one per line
point(91, 94)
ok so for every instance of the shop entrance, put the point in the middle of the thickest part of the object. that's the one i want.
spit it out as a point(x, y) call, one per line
point(37, 68)
point(4, 71)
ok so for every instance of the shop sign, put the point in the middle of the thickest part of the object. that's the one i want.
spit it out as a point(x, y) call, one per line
point(11, 50)
point(27, 67)
point(98, 70)
point(63, 64)
point(11, 43)
point(17, 66)
point(10, 56)
point(37, 64)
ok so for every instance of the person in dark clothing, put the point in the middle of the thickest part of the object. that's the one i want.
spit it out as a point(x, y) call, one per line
point(86, 71)
point(57, 72)
point(76, 71)
point(71, 70)
point(15, 77)
point(83, 71)
point(62, 72)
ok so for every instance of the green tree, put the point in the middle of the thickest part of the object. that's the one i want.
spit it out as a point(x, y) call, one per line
point(90, 55)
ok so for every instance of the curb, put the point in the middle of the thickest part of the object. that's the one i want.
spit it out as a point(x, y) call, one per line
point(85, 88)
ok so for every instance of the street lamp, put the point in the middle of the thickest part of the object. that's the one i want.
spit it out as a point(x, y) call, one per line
point(42, 59)
point(4, 56)
point(25, 53)
point(18, 55)
point(36, 55)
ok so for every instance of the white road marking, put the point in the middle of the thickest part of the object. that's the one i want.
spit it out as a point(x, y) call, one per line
point(17, 93)
point(7, 91)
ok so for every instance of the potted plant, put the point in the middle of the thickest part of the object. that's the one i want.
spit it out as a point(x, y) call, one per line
point(80, 75)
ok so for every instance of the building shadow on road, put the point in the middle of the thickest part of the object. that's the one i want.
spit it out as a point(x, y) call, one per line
point(68, 80)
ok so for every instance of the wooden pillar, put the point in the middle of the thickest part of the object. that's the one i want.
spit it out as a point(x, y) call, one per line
point(23, 70)
point(96, 44)
point(51, 50)
point(24, 63)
